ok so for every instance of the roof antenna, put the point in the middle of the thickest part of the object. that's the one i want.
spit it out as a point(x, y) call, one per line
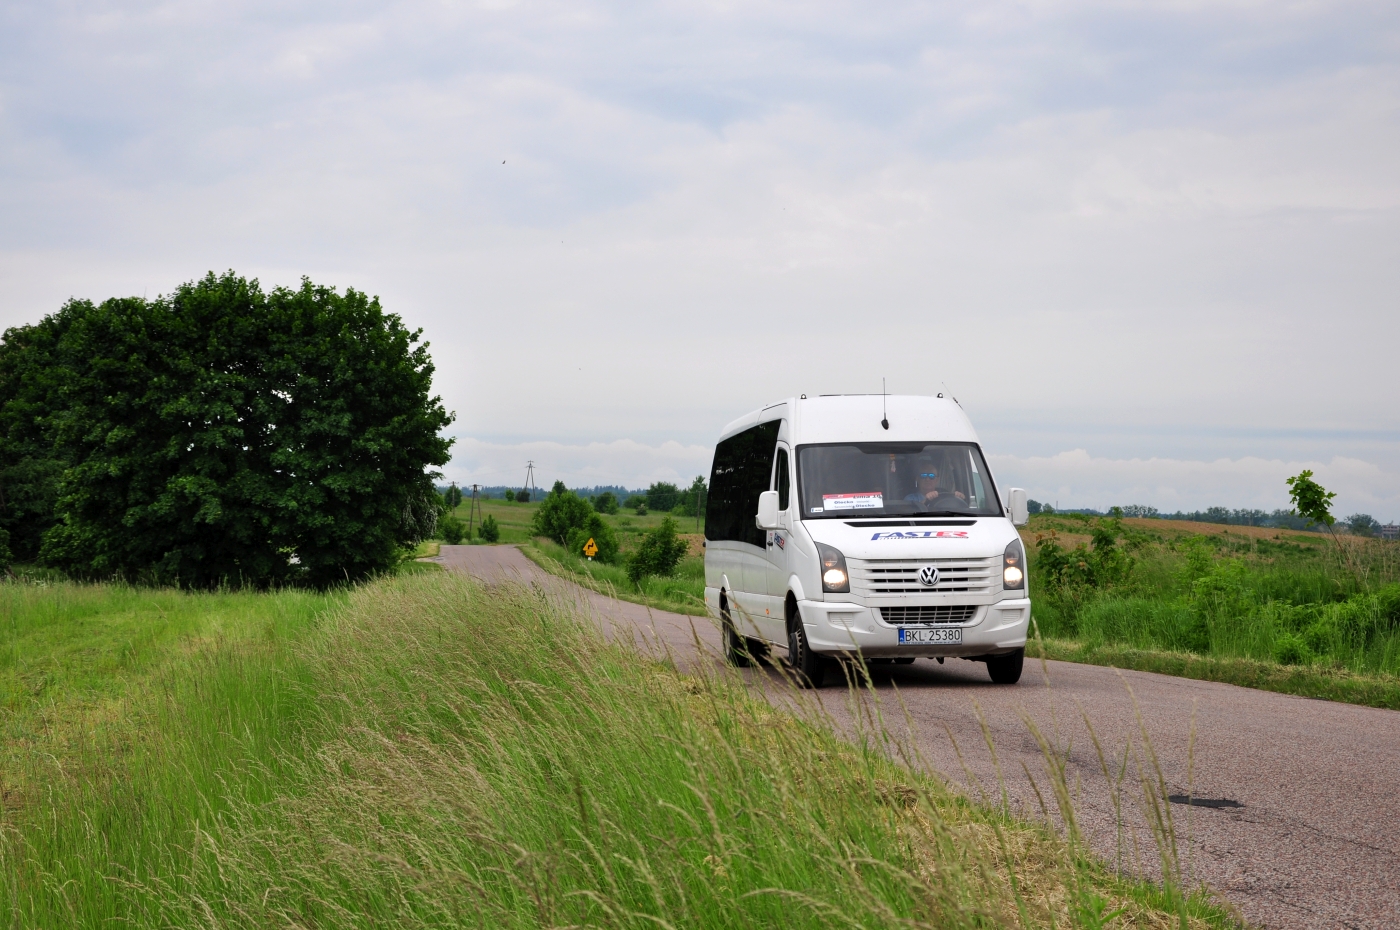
point(884, 415)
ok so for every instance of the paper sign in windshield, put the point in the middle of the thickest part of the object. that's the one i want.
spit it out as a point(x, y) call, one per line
point(861, 500)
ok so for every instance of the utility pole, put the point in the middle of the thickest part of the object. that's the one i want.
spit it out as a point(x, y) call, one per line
point(530, 480)
point(475, 509)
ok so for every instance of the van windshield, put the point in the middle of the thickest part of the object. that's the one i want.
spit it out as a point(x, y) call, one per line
point(895, 479)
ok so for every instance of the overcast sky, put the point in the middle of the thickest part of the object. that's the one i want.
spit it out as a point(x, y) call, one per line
point(1151, 247)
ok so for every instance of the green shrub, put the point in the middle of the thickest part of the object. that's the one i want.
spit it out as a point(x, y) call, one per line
point(561, 511)
point(510, 495)
point(1291, 649)
point(1098, 565)
point(490, 530)
point(606, 503)
point(602, 535)
point(451, 530)
point(659, 552)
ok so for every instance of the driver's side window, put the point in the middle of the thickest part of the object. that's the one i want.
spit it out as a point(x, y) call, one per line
point(781, 482)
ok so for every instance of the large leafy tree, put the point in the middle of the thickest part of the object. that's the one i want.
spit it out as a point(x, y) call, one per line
point(224, 434)
point(29, 470)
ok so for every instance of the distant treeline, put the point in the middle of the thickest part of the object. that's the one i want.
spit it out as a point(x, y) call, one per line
point(498, 491)
point(1359, 523)
point(661, 497)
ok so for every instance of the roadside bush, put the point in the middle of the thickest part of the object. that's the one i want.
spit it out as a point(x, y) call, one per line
point(1100, 564)
point(490, 530)
point(561, 511)
point(451, 530)
point(606, 503)
point(1291, 649)
point(602, 535)
point(659, 552)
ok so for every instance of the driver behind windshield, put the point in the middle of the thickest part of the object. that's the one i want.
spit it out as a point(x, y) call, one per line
point(927, 493)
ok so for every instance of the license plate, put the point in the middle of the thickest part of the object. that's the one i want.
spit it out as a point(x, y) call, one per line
point(941, 637)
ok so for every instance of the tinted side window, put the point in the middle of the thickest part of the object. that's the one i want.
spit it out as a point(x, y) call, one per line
point(780, 479)
point(743, 464)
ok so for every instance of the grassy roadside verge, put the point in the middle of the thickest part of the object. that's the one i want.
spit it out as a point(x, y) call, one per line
point(682, 593)
point(411, 759)
point(1304, 681)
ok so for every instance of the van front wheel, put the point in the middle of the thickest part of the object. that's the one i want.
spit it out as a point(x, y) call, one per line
point(1006, 670)
point(808, 666)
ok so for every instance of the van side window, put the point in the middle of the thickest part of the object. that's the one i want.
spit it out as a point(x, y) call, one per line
point(741, 472)
point(780, 479)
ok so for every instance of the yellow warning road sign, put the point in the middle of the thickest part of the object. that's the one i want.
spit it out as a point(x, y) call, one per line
point(590, 548)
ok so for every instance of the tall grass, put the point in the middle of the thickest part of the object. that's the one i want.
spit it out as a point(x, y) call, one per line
point(1281, 601)
point(683, 591)
point(435, 753)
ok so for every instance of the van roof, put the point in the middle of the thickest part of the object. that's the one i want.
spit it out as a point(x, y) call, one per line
point(856, 418)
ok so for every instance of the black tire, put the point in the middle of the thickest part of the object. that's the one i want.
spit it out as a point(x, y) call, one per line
point(736, 650)
point(1006, 670)
point(809, 667)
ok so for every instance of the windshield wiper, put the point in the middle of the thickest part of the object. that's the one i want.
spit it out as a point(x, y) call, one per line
point(944, 513)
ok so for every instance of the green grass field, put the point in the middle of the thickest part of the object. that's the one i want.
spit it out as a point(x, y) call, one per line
point(399, 755)
point(1278, 610)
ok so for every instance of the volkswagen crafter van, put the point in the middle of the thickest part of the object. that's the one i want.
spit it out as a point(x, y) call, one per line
point(864, 526)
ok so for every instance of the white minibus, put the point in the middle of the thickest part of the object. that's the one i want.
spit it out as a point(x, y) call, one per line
point(864, 526)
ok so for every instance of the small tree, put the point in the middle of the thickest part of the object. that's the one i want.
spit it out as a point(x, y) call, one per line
point(1313, 501)
point(561, 511)
point(452, 530)
point(453, 496)
point(490, 530)
point(606, 503)
point(662, 496)
point(660, 551)
point(522, 496)
point(596, 529)
point(510, 495)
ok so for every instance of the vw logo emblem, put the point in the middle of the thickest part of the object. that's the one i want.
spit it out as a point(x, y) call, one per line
point(928, 576)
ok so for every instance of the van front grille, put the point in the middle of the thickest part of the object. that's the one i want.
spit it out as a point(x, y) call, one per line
point(935, 613)
point(901, 576)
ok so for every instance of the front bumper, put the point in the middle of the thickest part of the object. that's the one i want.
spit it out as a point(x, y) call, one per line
point(834, 627)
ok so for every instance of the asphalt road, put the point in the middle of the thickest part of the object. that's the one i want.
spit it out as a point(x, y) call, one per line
point(1313, 842)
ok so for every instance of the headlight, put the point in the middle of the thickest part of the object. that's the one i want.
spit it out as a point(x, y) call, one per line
point(1013, 566)
point(835, 578)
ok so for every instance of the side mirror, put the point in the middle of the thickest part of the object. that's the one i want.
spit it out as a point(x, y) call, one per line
point(767, 518)
point(1016, 500)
